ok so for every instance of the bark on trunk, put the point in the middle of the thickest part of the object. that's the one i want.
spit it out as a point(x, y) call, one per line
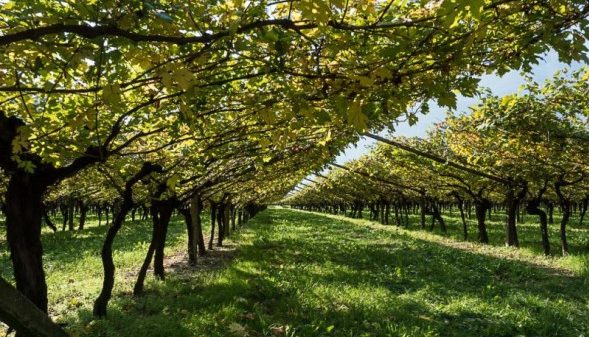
point(220, 224)
point(584, 207)
point(83, 213)
point(99, 213)
point(70, 215)
point(437, 215)
point(138, 288)
point(166, 210)
point(64, 214)
point(460, 204)
point(191, 248)
point(195, 213)
point(422, 207)
point(480, 209)
point(24, 213)
point(48, 221)
point(533, 209)
point(566, 213)
point(233, 215)
point(565, 207)
point(213, 220)
point(226, 224)
point(108, 265)
point(510, 228)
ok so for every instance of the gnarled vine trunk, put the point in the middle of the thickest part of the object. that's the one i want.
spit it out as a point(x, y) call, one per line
point(221, 224)
point(534, 209)
point(584, 206)
point(565, 207)
point(101, 303)
point(423, 211)
point(213, 220)
point(83, 213)
point(166, 210)
point(512, 201)
point(480, 208)
point(460, 203)
point(139, 283)
point(195, 213)
point(24, 213)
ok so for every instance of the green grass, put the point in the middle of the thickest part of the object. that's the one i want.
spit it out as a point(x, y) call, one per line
point(529, 238)
point(528, 232)
point(302, 274)
point(74, 269)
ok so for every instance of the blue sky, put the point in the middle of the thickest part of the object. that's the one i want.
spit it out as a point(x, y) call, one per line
point(507, 84)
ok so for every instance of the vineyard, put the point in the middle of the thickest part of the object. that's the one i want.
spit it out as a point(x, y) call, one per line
point(169, 168)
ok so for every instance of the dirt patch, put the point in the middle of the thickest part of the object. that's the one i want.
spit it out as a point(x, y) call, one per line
point(212, 260)
point(177, 263)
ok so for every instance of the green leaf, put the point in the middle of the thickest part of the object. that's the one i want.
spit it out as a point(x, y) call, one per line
point(447, 99)
point(356, 117)
point(412, 119)
point(172, 182)
point(184, 77)
point(268, 115)
point(111, 95)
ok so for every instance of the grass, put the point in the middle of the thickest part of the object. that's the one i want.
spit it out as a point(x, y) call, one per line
point(292, 273)
point(74, 269)
point(528, 233)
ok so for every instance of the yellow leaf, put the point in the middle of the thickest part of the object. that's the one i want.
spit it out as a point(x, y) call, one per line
point(166, 79)
point(585, 76)
point(111, 95)
point(366, 81)
point(317, 10)
point(173, 181)
point(264, 143)
point(268, 115)
point(184, 78)
point(383, 73)
point(325, 140)
point(356, 117)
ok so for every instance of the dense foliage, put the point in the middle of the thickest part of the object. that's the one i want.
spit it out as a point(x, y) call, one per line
point(161, 106)
point(514, 153)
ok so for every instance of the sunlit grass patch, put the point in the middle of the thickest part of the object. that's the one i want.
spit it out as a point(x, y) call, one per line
point(302, 274)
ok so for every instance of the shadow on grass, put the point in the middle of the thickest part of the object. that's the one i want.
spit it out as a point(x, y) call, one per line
point(67, 249)
point(299, 274)
point(528, 232)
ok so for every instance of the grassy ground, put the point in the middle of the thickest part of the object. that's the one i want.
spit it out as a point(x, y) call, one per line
point(528, 233)
point(74, 270)
point(301, 274)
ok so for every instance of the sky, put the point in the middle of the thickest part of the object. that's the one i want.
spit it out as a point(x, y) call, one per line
point(504, 85)
point(509, 83)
